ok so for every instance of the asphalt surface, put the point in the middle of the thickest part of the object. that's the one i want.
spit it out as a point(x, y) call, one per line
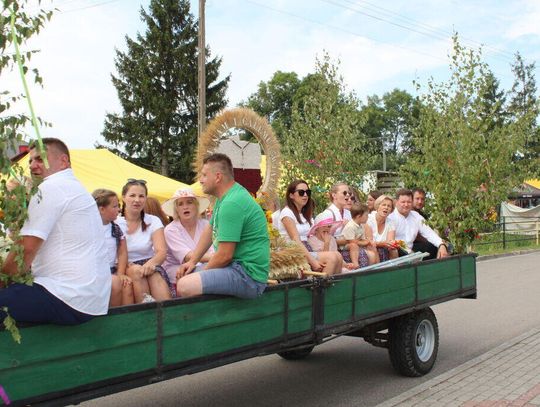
point(350, 372)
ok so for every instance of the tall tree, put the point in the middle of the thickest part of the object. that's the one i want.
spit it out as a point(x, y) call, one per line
point(389, 124)
point(462, 158)
point(274, 100)
point(325, 143)
point(157, 89)
point(524, 105)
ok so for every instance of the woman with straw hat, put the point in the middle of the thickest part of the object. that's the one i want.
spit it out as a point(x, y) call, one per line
point(184, 232)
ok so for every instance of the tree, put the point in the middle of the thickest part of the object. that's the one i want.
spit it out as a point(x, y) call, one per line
point(389, 124)
point(274, 100)
point(324, 143)
point(16, 27)
point(524, 106)
point(463, 159)
point(157, 89)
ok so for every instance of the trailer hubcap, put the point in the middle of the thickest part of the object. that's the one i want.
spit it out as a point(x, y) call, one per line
point(425, 340)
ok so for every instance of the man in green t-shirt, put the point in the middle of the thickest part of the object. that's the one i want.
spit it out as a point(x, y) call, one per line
point(239, 233)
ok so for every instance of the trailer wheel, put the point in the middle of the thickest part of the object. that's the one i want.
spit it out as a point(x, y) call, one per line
point(296, 354)
point(414, 343)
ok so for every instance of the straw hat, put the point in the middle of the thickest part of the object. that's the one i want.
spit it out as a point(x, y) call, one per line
point(168, 205)
point(334, 225)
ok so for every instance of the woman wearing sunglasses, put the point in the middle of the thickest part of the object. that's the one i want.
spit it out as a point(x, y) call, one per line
point(295, 221)
point(341, 200)
point(145, 243)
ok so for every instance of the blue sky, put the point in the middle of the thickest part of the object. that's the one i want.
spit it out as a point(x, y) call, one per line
point(381, 45)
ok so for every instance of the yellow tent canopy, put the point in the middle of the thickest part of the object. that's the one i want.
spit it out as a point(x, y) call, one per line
point(102, 169)
point(534, 182)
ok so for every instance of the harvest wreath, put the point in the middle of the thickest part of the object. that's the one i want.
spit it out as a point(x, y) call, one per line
point(287, 260)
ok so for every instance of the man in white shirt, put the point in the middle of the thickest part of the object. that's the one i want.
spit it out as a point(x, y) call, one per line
point(63, 245)
point(410, 223)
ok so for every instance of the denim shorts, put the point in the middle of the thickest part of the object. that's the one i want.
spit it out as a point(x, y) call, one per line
point(230, 280)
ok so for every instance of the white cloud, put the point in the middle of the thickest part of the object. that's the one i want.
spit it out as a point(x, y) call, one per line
point(526, 22)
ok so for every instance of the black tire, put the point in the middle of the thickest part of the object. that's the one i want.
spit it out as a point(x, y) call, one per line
point(414, 343)
point(296, 354)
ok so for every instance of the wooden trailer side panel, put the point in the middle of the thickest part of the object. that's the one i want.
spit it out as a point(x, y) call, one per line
point(53, 358)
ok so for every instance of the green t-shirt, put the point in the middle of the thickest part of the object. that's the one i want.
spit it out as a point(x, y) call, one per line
point(238, 218)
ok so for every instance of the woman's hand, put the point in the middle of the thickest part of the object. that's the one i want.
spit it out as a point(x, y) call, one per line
point(148, 269)
point(315, 264)
point(126, 281)
point(386, 244)
point(185, 269)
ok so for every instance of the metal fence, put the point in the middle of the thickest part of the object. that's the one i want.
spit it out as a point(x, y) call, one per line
point(510, 231)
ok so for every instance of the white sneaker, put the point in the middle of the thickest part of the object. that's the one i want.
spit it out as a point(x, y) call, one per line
point(147, 298)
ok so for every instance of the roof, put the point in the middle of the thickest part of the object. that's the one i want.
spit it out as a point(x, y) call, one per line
point(100, 168)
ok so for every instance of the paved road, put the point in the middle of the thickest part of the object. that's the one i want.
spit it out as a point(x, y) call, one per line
point(350, 372)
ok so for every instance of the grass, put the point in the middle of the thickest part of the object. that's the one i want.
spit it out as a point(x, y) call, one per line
point(493, 243)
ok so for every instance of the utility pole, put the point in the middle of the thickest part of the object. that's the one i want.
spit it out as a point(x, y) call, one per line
point(202, 74)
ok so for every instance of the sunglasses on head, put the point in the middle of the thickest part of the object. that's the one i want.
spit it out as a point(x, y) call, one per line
point(136, 181)
point(302, 192)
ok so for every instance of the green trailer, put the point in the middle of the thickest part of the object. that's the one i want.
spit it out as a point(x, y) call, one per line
point(137, 345)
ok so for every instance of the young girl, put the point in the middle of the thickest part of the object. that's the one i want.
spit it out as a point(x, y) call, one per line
point(122, 289)
point(321, 238)
point(146, 245)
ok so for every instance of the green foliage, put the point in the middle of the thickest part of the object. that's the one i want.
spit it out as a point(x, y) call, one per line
point(324, 144)
point(524, 106)
point(13, 197)
point(389, 122)
point(465, 148)
point(157, 89)
point(11, 326)
point(274, 100)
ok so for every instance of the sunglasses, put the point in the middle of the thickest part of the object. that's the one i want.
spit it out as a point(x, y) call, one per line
point(302, 192)
point(136, 181)
point(346, 193)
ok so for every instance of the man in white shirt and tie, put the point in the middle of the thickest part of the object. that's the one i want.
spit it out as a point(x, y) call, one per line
point(410, 223)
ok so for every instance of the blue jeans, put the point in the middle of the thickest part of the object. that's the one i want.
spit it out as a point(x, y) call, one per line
point(35, 304)
point(230, 280)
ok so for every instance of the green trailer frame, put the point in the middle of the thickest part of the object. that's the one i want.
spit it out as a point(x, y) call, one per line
point(142, 344)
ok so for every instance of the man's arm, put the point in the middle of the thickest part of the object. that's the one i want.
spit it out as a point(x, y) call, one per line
point(203, 245)
point(222, 257)
point(432, 237)
point(30, 245)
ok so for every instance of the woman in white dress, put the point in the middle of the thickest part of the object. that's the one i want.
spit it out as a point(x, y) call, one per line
point(295, 221)
point(381, 229)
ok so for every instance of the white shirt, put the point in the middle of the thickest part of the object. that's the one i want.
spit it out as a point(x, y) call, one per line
point(407, 228)
point(111, 244)
point(302, 228)
point(333, 212)
point(388, 227)
point(353, 230)
point(72, 261)
point(139, 243)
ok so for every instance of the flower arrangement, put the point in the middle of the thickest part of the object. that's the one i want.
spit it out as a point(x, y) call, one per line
point(273, 233)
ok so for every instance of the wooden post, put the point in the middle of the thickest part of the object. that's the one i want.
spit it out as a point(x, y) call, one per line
point(202, 75)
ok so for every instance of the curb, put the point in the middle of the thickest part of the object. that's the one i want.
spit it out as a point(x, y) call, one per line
point(395, 401)
point(515, 253)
